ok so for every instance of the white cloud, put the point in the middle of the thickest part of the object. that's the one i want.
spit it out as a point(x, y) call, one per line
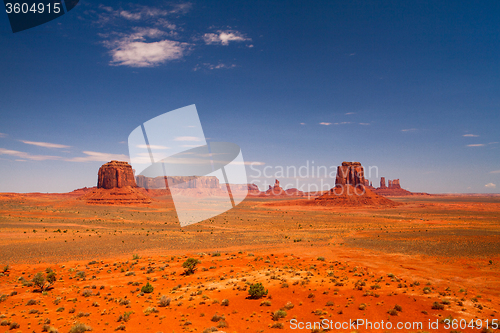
point(492, 143)
point(224, 37)
point(187, 138)
point(409, 130)
point(44, 144)
point(343, 123)
point(219, 66)
point(302, 123)
point(364, 124)
point(496, 171)
point(326, 124)
point(490, 185)
point(348, 113)
point(3, 135)
point(93, 156)
point(470, 135)
point(247, 163)
point(134, 51)
point(28, 156)
point(153, 147)
point(476, 145)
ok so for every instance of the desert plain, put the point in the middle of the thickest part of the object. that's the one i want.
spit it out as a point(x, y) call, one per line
point(431, 260)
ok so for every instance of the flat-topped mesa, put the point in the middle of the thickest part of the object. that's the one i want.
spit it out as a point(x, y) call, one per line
point(350, 173)
point(115, 174)
point(394, 184)
point(184, 182)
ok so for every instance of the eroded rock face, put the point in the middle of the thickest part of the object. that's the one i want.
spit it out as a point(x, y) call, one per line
point(350, 173)
point(178, 182)
point(394, 184)
point(382, 182)
point(115, 174)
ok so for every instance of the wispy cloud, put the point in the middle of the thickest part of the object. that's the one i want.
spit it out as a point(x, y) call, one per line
point(3, 135)
point(496, 171)
point(213, 66)
point(364, 124)
point(470, 135)
point(476, 145)
point(247, 163)
point(223, 37)
point(409, 130)
point(44, 144)
point(349, 113)
point(27, 156)
point(343, 123)
point(302, 123)
point(326, 124)
point(93, 156)
point(90, 156)
point(187, 138)
point(490, 185)
point(492, 143)
point(153, 147)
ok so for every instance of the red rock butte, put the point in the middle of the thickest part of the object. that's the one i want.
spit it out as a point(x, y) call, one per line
point(350, 189)
point(115, 186)
point(115, 174)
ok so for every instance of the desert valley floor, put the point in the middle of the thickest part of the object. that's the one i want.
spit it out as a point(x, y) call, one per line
point(430, 260)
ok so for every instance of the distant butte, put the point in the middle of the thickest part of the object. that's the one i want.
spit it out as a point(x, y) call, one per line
point(351, 190)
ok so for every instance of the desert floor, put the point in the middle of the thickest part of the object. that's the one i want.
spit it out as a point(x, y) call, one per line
point(425, 261)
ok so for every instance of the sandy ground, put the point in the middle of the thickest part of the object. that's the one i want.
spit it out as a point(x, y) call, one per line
point(424, 261)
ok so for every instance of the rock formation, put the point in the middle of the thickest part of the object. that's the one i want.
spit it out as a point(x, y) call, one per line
point(394, 184)
point(382, 182)
point(178, 182)
point(276, 189)
point(351, 189)
point(350, 173)
point(115, 174)
point(115, 186)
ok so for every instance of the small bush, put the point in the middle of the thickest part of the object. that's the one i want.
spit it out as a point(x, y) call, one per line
point(148, 288)
point(257, 290)
point(265, 303)
point(437, 306)
point(225, 302)
point(278, 325)
point(120, 328)
point(398, 308)
point(164, 301)
point(217, 318)
point(190, 265)
point(149, 311)
point(80, 328)
point(393, 312)
point(278, 314)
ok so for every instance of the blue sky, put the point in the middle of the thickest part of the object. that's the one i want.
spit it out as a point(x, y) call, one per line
point(411, 88)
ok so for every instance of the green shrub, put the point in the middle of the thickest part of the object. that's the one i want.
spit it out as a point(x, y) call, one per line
point(190, 265)
point(278, 314)
point(147, 289)
point(257, 290)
